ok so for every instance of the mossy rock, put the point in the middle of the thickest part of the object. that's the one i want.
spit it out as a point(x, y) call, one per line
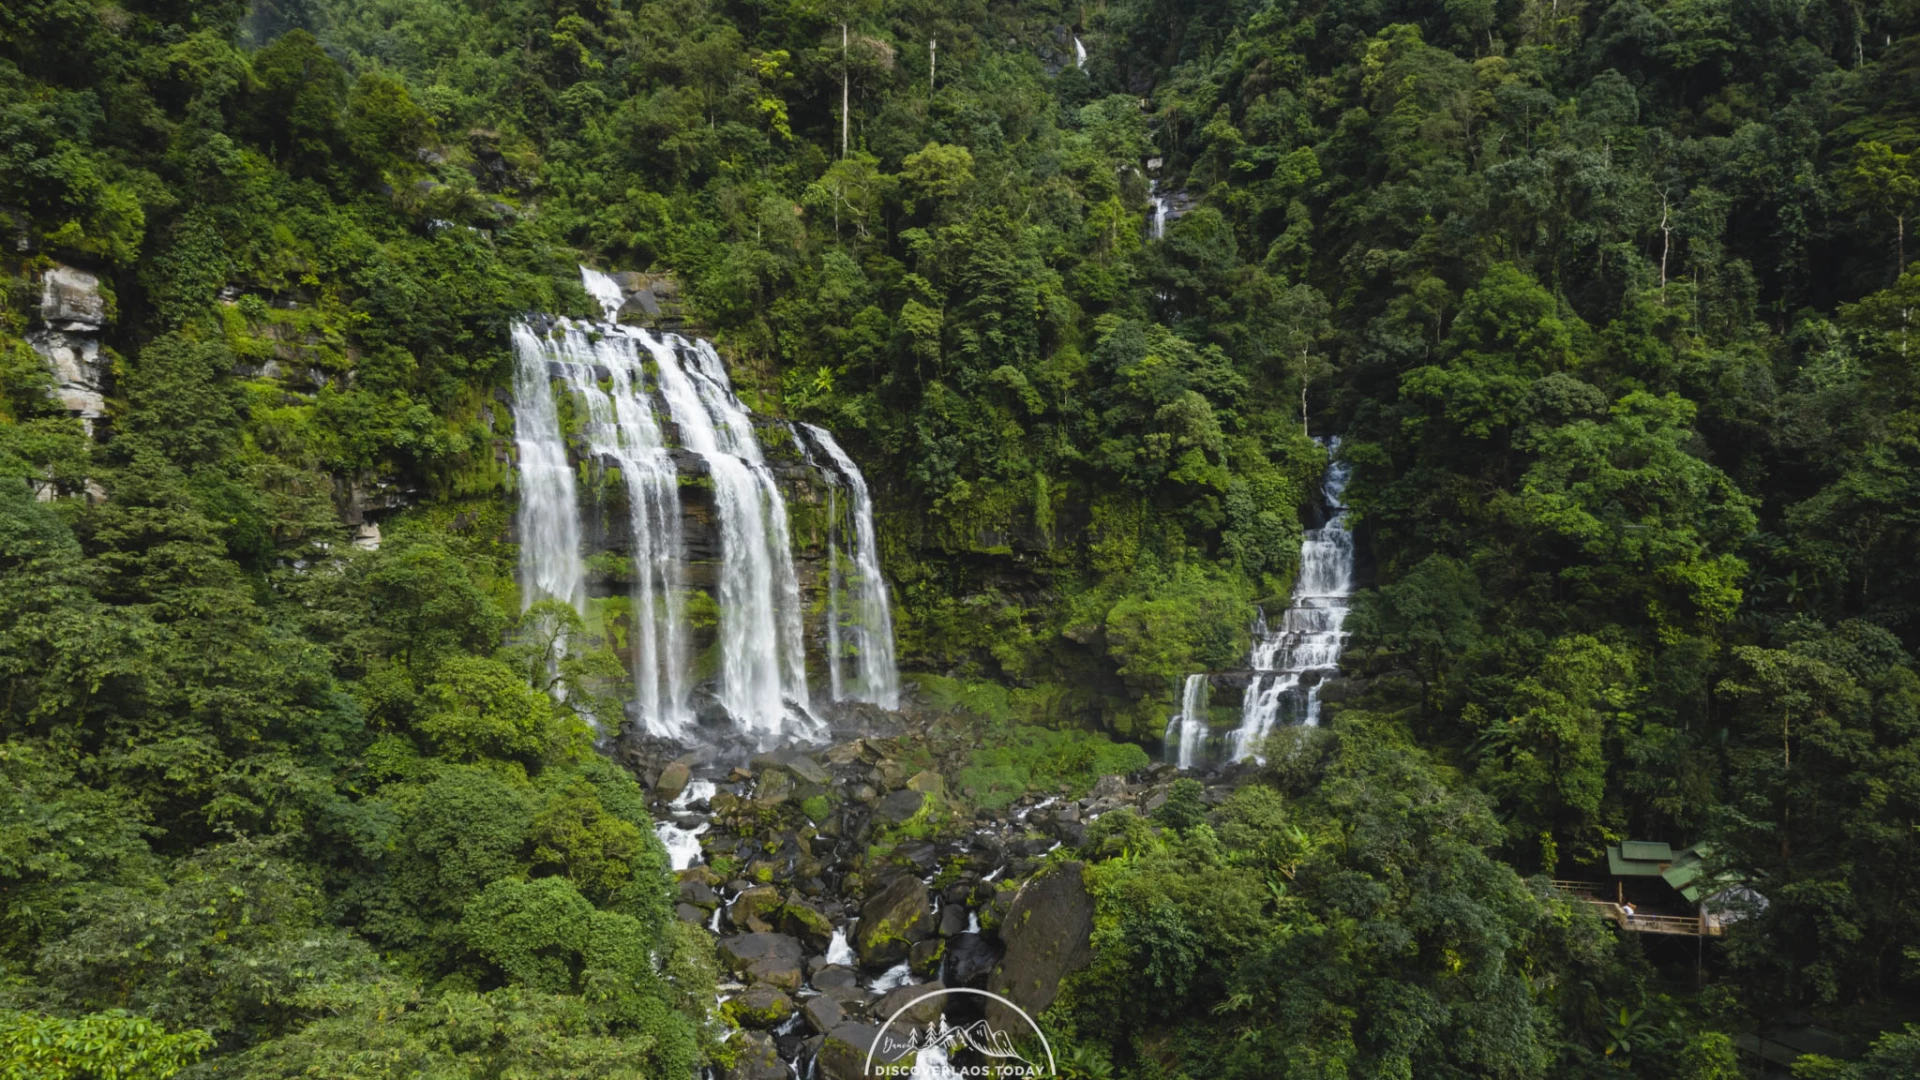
point(891, 921)
point(804, 921)
point(761, 1007)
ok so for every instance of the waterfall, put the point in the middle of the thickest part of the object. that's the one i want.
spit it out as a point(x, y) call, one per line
point(871, 630)
point(762, 665)
point(1157, 226)
point(550, 565)
point(1079, 53)
point(1310, 635)
point(620, 430)
point(644, 404)
point(1187, 730)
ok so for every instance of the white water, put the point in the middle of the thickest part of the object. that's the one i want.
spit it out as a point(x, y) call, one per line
point(896, 976)
point(550, 564)
point(871, 629)
point(622, 383)
point(683, 845)
point(620, 430)
point(1079, 53)
point(762, 665)
point(696, 791)
point(1310, 635)
point(932, 1064)
point(838, 951)
point(1187, 730)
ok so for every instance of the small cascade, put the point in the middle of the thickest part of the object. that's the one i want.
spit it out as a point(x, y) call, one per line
point(642, 403)
point(1079, 53)
point(838, 951)
point(870, 631)
point(1157, 222)
point(1187, 731)
point(1290, 660)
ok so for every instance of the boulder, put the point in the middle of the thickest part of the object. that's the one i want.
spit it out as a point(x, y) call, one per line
point(925, 957)
point(891, 921)
point(673, 781)
point(970, 959)
point(756, 1058)
point(690, 914)
point(1048, 931)
point(834, 976)
point(808, 769)
point(843, 1054)
point(698, 893)
point(899, 807)
point(769, 958)
point(927, 782)
point(824, 1013)
point(953, 920)
point(70, 299)
point(764, 1007)
point(755, 910)
point(774, 788)
point(804, 921)
point(919, 854)
point(924, 1012)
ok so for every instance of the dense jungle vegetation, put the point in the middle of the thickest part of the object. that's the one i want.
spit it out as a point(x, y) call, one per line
point(1608, 301)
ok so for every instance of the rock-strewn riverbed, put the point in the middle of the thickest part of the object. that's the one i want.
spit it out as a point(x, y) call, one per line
point(843, 881)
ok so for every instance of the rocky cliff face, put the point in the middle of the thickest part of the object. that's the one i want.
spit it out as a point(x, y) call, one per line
point(72, 314)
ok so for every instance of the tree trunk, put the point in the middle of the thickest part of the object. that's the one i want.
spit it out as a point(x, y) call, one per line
point(846, 95)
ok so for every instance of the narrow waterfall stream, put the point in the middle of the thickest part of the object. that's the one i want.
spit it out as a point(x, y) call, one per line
point(1290, 660)
point(634, 397)
point(550, 567)
point(871, 632)
point(1187, 732)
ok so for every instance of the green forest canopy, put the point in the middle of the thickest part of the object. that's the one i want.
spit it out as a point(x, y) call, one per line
point(1608, 301)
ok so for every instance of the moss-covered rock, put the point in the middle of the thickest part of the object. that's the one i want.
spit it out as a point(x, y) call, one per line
point(761, 1006)
point(891, 921)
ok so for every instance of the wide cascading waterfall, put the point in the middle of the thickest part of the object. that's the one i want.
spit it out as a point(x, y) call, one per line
point(644, 405)
point(763, 675)
point(549, 518)
point(870, 630)
point(1187, 731)
point(1289, 661)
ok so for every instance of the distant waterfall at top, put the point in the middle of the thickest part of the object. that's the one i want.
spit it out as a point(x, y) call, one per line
point(646, 405)
point(1187, 731)
point(871, 631)
point(1079, 53)
point(1310, 635)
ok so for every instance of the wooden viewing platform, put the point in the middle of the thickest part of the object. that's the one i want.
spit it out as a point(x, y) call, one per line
point(1588, 892)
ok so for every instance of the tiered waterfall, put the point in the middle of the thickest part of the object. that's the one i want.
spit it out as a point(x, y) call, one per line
point(1290, 660)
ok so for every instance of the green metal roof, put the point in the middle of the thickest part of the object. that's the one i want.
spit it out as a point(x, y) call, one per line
point(1620, 866)
point(1646, 849)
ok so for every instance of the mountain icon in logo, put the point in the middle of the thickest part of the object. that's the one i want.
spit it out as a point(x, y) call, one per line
point(979, 1036)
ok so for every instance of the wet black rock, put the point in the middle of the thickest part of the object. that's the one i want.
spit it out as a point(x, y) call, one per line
point(891, 921)
point(970, 959)
point(1048, 931)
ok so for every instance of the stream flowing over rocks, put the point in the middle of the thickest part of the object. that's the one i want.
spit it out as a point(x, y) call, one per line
point(842, 882)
